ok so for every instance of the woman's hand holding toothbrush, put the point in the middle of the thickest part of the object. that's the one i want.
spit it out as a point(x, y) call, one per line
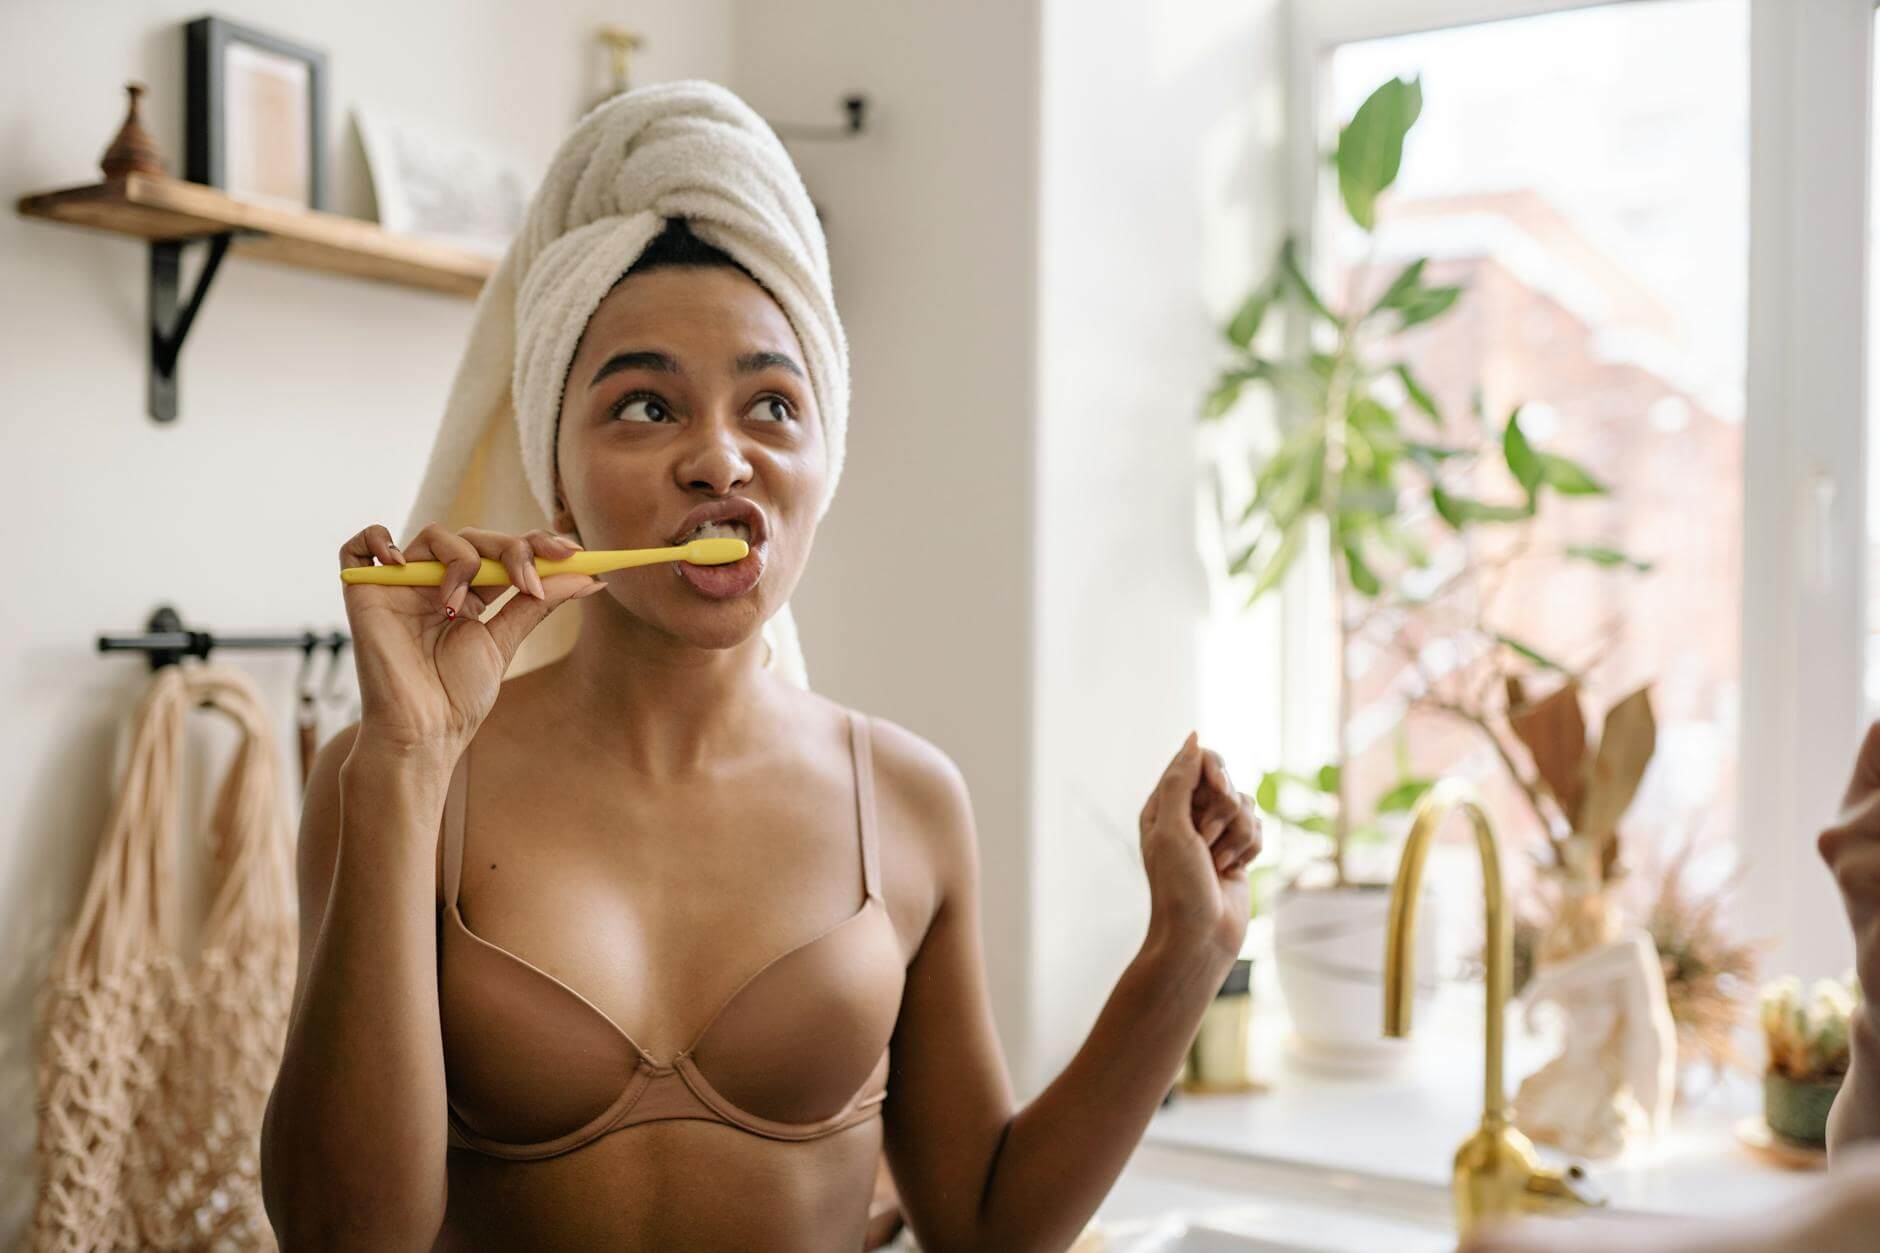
point(429, 669)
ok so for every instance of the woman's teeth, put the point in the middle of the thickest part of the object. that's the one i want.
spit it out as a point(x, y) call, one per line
point(710, 530)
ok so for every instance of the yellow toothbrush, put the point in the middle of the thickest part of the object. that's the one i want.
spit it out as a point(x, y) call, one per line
point(715, 551)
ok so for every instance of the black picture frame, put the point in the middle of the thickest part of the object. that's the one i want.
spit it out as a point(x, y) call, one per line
point(206, 155)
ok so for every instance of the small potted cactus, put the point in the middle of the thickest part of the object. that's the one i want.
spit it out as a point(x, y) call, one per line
point(1807, 1035)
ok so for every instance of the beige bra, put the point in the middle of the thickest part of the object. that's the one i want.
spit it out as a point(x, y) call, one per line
point(798, 1051)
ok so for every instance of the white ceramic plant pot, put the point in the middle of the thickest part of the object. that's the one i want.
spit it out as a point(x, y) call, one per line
point(1328, 944)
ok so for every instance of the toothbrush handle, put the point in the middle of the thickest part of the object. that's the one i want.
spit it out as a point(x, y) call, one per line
point(601, 560)
point(421, 574)
point(492, 573)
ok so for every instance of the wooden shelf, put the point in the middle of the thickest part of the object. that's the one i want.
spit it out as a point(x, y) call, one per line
point(170, 215)
point(171, 210)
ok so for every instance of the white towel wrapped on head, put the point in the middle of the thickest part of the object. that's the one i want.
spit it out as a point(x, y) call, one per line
point(689, 150)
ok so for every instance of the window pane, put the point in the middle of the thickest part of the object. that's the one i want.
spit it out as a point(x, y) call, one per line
point(1583, 175)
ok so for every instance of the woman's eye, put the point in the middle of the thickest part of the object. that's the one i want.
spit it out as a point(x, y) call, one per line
point(653, 408)
point(774, 408)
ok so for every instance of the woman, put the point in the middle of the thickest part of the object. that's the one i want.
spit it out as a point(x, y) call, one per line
point(650, 947)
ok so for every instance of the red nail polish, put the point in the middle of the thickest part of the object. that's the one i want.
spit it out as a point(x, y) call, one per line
point(450, 613)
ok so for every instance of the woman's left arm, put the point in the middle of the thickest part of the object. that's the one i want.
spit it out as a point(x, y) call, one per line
point(972, 1172)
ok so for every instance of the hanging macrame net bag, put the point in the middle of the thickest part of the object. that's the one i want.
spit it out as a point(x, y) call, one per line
point(154, 1070)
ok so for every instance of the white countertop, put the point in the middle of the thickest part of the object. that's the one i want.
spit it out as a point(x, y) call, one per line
point(1404, 1129)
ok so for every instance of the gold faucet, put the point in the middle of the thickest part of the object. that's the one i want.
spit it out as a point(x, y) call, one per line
point(1497, 1174)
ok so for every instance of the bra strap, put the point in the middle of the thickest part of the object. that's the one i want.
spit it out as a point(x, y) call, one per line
point(865, 801)
point(451, 845)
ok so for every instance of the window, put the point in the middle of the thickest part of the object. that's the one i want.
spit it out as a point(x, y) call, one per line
point(1662, 211)
point(1583, 176)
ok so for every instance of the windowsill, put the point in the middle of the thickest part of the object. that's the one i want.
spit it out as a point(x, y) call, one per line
point(1405, 1128)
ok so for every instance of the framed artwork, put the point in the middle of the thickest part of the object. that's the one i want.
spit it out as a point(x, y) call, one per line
point(440, 184)
point(256, 115)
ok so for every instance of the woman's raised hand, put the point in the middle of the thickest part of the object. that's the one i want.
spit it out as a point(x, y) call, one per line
point(1851, 847)
point(429, 670)
point(1198, 835)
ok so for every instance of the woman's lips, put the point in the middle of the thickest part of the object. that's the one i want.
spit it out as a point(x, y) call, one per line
point(734, 578)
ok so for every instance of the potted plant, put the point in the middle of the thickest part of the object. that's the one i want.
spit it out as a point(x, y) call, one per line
point(1360, 467)
point(1328, 926)
point(1612, 1081)
point(1579, 793)
point(1808, 1054)
point(1710, 967)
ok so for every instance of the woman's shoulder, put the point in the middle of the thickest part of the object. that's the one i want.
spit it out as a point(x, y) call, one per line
point(902, 757)
point(919, 787)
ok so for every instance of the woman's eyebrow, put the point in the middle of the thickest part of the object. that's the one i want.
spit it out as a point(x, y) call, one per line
point(657, 362)
point(752, 362)
point(661, 363)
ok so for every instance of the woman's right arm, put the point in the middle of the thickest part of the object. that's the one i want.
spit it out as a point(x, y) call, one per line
point(354, 1137)
point(353, 1141)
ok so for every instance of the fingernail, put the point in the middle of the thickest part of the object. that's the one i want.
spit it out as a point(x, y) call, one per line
point(456, 599)
point(589, 590)
point(400, 556)
point(535, 584)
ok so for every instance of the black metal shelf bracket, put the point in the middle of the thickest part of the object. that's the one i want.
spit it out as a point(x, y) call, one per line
point(171, 316)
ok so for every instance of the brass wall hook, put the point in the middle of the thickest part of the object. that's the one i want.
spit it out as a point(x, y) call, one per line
point(621, 43)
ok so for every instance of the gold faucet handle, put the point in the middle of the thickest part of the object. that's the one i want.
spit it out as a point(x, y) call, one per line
point(1499, 1176)
point(1551, 1190)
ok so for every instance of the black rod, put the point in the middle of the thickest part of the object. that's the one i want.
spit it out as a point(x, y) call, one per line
point(166, 641)
point(855, 111)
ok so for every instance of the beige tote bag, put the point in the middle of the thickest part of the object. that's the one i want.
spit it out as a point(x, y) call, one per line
point(154, 1071)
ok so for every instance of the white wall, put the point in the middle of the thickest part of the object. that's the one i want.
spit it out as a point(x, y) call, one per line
point(308, 402)
point(1161, 197)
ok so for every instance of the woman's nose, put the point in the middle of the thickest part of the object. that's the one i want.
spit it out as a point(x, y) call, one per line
point(715, 461)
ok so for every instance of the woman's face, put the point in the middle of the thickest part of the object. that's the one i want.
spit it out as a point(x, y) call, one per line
point(688, 390)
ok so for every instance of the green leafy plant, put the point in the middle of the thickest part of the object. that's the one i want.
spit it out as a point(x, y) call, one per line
point(1366, 463)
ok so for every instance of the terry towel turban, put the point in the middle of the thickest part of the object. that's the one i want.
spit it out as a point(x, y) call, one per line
point(689, 150)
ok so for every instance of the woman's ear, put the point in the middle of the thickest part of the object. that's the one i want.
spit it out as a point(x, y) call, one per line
point(563, 521)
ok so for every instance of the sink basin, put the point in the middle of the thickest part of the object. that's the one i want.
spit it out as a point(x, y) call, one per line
point(1272, 1229)
point(1173, 1200)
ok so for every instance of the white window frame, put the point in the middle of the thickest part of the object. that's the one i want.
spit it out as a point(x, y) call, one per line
point(1803, 617)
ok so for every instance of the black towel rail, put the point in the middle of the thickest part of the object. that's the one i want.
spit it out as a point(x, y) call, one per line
point(166, 641)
